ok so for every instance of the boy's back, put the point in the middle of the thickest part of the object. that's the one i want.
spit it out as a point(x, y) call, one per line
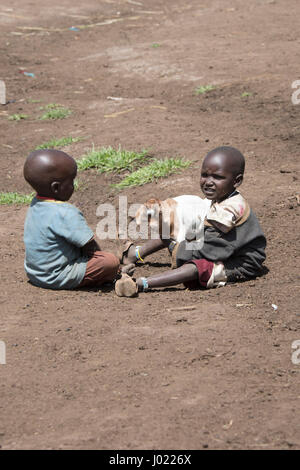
point(61, 252)
point(53, 234)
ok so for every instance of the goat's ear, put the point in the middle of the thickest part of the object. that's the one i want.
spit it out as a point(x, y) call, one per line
point(152, 201)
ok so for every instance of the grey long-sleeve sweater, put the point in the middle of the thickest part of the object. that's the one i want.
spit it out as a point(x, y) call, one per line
point(242, 249)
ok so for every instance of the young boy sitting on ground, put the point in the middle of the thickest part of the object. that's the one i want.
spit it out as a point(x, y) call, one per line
point(234, 244)
point(61, 252)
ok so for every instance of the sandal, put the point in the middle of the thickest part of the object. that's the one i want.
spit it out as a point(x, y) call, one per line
point(126, 287)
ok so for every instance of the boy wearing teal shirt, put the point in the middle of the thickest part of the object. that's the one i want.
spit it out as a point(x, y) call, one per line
point(60, 249)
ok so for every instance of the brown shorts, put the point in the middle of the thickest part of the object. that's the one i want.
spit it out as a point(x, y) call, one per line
point(102, 267)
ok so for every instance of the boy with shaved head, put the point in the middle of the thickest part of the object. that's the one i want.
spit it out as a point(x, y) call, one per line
point(60, 249)
point(233, 248)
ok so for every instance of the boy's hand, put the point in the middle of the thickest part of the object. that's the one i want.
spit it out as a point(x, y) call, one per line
point(90, 247)
point(128, 269)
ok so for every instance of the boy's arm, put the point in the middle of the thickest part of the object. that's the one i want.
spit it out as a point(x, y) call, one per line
point(90, 247)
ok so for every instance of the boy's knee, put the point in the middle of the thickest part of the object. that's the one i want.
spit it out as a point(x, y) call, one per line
point(110, 264)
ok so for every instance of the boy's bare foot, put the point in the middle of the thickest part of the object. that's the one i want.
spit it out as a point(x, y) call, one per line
point(127, 253)
point(129, 256)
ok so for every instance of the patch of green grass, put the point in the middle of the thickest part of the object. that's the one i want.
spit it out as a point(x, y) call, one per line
point(76, 184)
point(15, 198)
point(109, 159)
point(155, 45)
point(55, 111)
point(79, 184)
point(33, 101)
point(18, 117)
point(157, 169)
point(200, 90)
point(59, 143)
point(246, 93)
point(51, 106)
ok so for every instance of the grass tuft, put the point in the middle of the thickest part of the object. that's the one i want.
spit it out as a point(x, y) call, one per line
point(15, 198)
point(200, 90)
point(33, 101)
point(78, 184)
point(59, 143)
point(157, 169)
point(55, 111)
point(109, 159)
point(17, 117)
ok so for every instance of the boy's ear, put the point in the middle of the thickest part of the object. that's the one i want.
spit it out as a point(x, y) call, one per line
point(238, 180)
point(55, 187)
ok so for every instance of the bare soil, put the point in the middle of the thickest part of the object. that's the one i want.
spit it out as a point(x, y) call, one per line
point(89, 370)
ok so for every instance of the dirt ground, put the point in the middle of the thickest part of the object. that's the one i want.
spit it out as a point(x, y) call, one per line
point(89, 370)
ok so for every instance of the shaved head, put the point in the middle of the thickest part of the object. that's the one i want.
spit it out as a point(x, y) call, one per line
point(221, 173)
point(45, 167)
point(228, 157)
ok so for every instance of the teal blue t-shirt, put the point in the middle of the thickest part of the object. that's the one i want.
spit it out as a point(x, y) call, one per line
point(54, 233)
